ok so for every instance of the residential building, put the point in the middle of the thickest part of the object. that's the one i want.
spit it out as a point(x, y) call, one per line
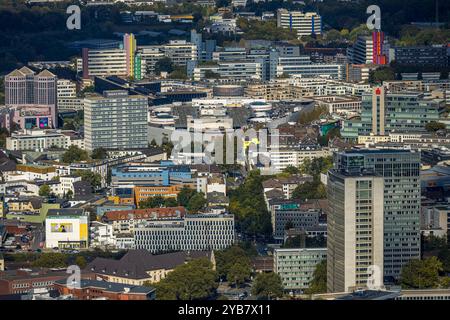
point(305, 23)
point(115, 120)
point(355, 227)
point(296, 266)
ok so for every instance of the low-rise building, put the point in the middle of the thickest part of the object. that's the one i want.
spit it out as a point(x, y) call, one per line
point(140, 266)
point(296, 266)
point(67, 228)
point(192, 232)
point(95, 290)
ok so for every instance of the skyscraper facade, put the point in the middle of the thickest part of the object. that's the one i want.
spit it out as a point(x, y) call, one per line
point(32, 98)
point(115, 121)
point(400, 171)
point(355, 227)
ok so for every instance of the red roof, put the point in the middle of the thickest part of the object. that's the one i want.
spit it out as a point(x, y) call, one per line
point(151, 213)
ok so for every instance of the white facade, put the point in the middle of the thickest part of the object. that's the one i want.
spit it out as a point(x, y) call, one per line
point(306, 23)
point(67, 231)
point(194, 232)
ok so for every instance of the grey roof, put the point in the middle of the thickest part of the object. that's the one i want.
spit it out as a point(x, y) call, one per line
point(110, 286)
point(65, 212)
point(136, 263)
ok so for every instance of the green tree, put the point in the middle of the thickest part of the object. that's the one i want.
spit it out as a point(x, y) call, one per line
point(69, 125)
point(4, 133)
point(291, 170)
point(74, 154)
point(99, 153)
point(185, 195)
point(267, 286)
point(69, 194)
point(152, 202)
point(310, 190)
point(319, 282)
point(209, 74)
point(434, 126)
point(316, 166)
point(238, 274)
point(164, 65)
point(44, 190)
point(381, 74)
point(197, 202)
point(230, 260)
point(51, 260)
point(178, 72)
point(94, 178)
point(195, 280)
point(421, 274)
point(81, 262)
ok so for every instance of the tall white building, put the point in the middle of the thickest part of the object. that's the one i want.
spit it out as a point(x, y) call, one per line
point(115, 121)
point(305, 23)
point(355, 230)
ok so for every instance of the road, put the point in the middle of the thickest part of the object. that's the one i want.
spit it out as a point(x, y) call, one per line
point(233, 293)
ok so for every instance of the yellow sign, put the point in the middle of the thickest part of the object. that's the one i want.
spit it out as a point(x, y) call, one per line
point(61, 227)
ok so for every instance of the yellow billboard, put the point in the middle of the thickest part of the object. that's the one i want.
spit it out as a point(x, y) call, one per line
point(61, 227)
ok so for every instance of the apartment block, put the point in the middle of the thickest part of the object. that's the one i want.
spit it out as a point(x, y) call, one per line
point(115, 120)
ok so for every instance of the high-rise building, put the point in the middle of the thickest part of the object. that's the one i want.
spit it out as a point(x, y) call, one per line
point(129, 44)
point(115, 121)
point(32, 97)
point(383, 112)
point(369, 50)
point(400, 171)
point(354, 228)
point(305, 23)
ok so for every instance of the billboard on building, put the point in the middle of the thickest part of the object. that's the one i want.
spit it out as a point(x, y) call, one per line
point(61, 227)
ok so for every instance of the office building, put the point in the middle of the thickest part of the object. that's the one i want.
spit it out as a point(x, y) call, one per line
point(382, 113)
point(43, 140)
point(296, 266)
point(372, 49)
point(286, 213)
point(115, 120)
point(400, 172)
point(32, 97)
point(305, 23)
point(67, 229)
point(423, 56)
point(103, 63)
point(355, 226)
point(200, 232)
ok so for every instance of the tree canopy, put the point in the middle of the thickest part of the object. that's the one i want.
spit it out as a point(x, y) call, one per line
point(194, 280)
point(233, 264)
point(421, 274)
point(74, 154)
point(267, 286)
point(248, 205)
point(319, 282)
